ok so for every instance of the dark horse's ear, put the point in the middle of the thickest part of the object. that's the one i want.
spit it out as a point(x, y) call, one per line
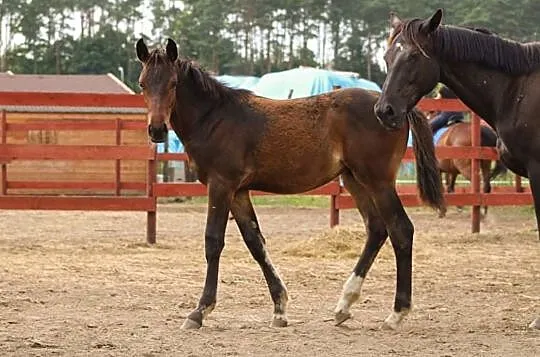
point(142, 51)
point(395, 21)
point(172, 50)
point(431, 24)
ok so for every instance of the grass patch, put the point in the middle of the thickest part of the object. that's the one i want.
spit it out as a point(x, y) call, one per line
point(303, 201)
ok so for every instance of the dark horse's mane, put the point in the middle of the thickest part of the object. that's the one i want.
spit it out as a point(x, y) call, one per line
point(478, 45)
point(200, 81)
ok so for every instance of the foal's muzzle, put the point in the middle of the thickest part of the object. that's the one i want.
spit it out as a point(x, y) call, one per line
point(157, 134)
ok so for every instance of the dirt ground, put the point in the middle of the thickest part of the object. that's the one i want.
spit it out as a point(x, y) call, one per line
point(74, 284)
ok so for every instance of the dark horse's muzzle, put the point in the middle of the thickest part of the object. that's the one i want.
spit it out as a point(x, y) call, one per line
point(157, 134)
point(388, 117)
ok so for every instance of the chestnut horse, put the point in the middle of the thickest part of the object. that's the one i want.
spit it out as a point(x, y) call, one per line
point(459, 135)
point(241, 142)
point(499, 79)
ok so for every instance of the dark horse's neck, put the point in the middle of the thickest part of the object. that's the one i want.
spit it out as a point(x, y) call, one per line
point(483, 90)
point(197, 95)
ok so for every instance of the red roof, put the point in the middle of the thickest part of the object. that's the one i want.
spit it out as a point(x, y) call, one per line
point(72, 83)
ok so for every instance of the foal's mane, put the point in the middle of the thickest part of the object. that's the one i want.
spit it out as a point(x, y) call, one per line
point(199, 81)
point(478, 45)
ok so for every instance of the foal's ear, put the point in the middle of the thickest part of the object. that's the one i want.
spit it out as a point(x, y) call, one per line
point(142, 51)
point(431, 24)
point(172, 50)
point(394, 20)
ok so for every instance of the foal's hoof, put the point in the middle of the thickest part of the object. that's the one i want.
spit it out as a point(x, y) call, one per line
point(389, 326)
point(442, 212)
point(340, 317)
point(279, 322)
point(393, 320)
point(535, 324)
point(190, 324)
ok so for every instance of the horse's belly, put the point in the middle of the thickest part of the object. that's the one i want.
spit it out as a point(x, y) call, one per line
point(297, 173)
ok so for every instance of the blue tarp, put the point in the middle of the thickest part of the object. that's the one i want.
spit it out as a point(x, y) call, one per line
point(306, 82)
point(244, 82)
point(175, 145)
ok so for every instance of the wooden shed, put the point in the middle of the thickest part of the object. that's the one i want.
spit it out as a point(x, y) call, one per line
point(71, 171)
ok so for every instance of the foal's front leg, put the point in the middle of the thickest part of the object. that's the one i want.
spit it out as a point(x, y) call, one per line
point(219, 201)
point(401, 231)
point(249, 227)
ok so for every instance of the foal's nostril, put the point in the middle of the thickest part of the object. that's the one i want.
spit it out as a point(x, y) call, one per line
point(388, 110)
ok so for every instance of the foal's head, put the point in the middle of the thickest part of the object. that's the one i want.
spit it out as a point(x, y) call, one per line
point(158, 81)
point(412, 72)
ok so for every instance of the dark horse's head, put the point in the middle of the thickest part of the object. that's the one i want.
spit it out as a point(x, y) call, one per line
point(158, 81)
point(412, 73)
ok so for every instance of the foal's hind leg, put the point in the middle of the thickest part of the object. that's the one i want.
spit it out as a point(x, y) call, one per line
point(376, 236)
point(246, 220)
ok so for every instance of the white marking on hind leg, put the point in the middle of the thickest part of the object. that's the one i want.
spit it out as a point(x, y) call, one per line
point(350, 293)
point(279, 318)
point(393, 320)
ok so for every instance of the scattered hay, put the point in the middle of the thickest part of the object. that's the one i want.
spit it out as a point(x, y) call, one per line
point(334, 243)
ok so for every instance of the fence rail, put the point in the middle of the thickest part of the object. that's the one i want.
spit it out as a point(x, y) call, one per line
point(339, 199)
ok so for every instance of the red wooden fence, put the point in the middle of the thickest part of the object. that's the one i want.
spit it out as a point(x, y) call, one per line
point(339, 198)
point(117, 202)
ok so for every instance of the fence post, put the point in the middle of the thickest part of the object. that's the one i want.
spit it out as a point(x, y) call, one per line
point(475, 172)
point(519, 187)
point(3, 128)
point(151, 215)
point(117, 164)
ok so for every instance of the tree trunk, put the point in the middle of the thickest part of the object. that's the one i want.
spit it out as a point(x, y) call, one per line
point(261, 50)
point(57, 57)
point(291, 45)
point(323, 52)
point(252, 51)
point(82, 24)
point(368, 55)
point(336, 39)
point(305, 34)
point(2, 47)
point(246, 44)
point(268, 49)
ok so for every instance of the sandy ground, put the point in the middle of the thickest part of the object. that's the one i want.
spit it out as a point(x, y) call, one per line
point(80, 284)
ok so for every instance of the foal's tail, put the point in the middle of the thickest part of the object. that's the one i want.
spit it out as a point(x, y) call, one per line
point(427, 170)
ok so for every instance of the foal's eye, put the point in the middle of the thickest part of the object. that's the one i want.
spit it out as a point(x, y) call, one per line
point(141, 84)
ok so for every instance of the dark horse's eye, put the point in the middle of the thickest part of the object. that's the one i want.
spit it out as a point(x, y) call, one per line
point(141, 85)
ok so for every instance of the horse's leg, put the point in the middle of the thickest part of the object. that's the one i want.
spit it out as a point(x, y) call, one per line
point(246, 220)
point(401, 231)
point(534, 181)
point(219, 199)
point(376, 236)
point(451, 182)
point(485, 166)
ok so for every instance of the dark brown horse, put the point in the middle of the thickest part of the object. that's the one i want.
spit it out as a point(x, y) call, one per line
point(459, 135)
point(497, 78)
point(241, 142)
